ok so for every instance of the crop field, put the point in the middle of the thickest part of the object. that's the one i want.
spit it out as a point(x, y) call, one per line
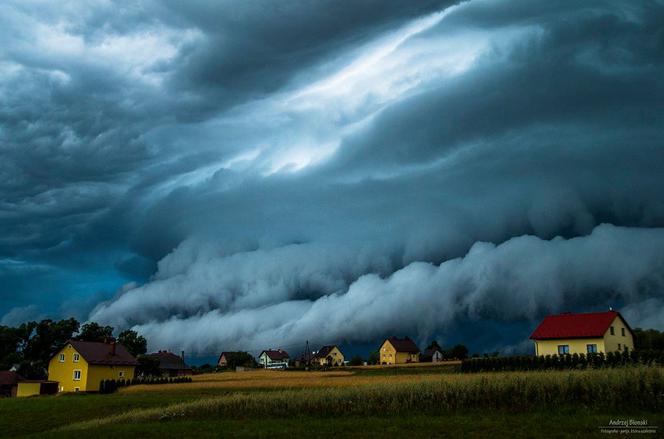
point(353, 402)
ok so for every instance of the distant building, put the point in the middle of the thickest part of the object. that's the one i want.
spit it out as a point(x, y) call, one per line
point(82, 365)
point(396, 350)
point(328, 356)
point(582, 333)
point(431, 355)
point(12, 384)
point(170, 364)
point(273, 359)
point(223, 359)
point(236, 359)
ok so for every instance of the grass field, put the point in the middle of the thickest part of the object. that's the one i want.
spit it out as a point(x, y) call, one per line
point(357, 402)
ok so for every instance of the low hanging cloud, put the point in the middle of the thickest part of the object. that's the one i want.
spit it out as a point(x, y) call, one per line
point(256, 173)
point(520, 279)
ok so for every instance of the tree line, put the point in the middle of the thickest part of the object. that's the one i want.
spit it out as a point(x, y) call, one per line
point(30, 346)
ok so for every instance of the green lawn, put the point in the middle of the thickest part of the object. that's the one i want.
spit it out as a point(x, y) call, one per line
point(563, 424)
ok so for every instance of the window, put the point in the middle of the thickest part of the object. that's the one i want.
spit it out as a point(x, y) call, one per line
point(62, 358)
point(613, 331)
point(563, 349)
point(77, 375)
point(121, 374)
point(622, 330)
point(618, 346)
point(76, 358)
point(591, 348)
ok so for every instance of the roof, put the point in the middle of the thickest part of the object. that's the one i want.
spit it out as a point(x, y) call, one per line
point(96, 353)
point(169, 361)
point(429, 352)
point(8, 378)
point(277, 355)
point(579, 325)
point(403, 345)
point(324, 351)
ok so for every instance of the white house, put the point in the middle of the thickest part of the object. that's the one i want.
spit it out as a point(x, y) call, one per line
point(273, 359)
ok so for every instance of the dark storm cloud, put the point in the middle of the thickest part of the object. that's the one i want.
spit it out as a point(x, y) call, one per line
point(269, 164)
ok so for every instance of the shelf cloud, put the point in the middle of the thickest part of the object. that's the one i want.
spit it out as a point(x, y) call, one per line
point(222, 175)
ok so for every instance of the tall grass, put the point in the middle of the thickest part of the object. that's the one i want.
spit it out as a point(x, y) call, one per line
point(634, 388)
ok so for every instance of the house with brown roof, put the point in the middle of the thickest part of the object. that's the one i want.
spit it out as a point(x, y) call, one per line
point(329, 355)
point(81, 366)
point(170, 364)
point(396, 350)
point(583, 333)
point(273, 359)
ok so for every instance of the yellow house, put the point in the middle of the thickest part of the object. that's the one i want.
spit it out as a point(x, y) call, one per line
point(399, 351)
point(80, 366)
point(583, 333)
point(328, 356)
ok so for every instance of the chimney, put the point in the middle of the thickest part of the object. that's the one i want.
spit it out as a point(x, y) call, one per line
point(113, 346)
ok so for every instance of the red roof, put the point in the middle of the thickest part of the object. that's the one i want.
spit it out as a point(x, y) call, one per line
point(582, 325)
point(403, 345)
point(96, 353)
point(278, 355)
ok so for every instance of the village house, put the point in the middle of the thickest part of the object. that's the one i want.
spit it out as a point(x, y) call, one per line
point(223, 359)
point(431, 355)
point(273, 359)
point(396, 350)
point(583, 333)
point(170, 364)
point(328, 356)
point(82, 365)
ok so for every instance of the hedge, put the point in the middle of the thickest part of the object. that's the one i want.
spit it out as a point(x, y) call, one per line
point(110, 386)
point(561, 362)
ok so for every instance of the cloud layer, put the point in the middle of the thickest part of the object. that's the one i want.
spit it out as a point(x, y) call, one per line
point(263, 172)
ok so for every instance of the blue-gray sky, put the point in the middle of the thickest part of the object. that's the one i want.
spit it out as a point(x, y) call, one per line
point(221, 174)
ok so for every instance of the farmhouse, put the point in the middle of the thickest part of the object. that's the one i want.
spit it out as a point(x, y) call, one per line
point(273, 359)
point(431, 355)
point(398, 351)
point(82, 365)
point(582, 333)
point(328, 356)
point(170, 364)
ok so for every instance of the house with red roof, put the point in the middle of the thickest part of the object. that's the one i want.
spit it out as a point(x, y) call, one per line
point(583, 333)
point(274, 359)
point(396, 350)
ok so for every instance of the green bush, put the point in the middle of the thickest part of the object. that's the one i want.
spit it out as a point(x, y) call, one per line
point(562, 362)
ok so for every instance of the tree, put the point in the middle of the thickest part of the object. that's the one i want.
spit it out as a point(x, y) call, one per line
point(95, 332)
point(374, 358)
point(38, 342)
point(356, 361)
point(135, 344)
point(242, 359)
point(459, 352)
point(434, 345)
point(648, 339)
